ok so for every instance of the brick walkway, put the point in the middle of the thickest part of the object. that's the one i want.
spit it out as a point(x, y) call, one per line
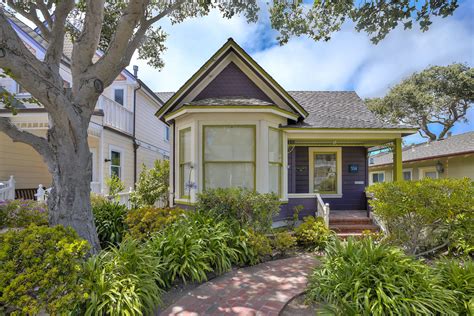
point(259, 290)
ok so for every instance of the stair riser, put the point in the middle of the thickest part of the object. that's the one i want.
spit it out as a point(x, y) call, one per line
point(337, 221)
point(353, 229)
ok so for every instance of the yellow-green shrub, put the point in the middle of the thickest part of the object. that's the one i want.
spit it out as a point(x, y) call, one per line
point(312, 233)
point(145, 221)
point(260, 244)
point(283, 242)
point(427, 214)
point(39, 269)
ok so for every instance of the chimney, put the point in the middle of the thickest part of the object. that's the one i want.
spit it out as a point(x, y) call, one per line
point(135, 71)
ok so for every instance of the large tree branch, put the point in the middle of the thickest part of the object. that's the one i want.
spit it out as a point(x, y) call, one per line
point(56, 41)
point(87, 42)
point(31, 15)
point(40, 144)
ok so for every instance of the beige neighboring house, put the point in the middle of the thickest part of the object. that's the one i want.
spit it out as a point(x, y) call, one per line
point(452, 157)
point(123, 134)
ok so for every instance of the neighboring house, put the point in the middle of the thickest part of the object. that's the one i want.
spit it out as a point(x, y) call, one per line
point(234, 125)
point(123, 133)
point(452, 157)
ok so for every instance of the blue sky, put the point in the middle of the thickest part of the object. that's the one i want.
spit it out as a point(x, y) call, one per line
point(347, 62)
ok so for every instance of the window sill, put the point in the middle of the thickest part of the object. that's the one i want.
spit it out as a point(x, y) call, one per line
point(183, 201)
point(313, 195)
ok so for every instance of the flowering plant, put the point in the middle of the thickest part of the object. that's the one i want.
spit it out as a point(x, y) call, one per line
point(21, 213)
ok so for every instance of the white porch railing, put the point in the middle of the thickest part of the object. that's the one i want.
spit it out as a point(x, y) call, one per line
point(42, 192)
point(116, 115)
point(124, 198)
point(7, 189)
point(322, 209)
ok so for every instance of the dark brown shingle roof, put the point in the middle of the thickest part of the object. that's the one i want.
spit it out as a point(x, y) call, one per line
point(453, 145)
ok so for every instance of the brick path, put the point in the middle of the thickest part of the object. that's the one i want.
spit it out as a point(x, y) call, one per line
point(259, 290)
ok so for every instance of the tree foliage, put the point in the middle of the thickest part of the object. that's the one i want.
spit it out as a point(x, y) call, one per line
point(152, 185)
point(437, 95)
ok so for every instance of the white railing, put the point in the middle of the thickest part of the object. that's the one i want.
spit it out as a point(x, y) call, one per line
point(322, 209)
point(124, 198)
point(116, 115)
point(7, 189)
point(42, 193)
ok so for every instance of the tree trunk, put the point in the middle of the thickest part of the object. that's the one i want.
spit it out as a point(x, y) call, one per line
point(69, 202)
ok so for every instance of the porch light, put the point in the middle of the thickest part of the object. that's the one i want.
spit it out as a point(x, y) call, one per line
point(439, 167)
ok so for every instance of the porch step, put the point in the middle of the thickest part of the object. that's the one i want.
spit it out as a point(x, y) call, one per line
point(351, 223)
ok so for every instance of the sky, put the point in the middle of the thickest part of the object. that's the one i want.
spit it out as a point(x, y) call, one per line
point(349, 61)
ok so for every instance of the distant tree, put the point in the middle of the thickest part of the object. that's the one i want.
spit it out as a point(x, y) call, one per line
point(119, 28)
point(436, 95)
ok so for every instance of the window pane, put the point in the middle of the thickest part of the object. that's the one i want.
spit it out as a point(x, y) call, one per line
point(167, 133)
point(115, 171)
point(184, 145)
point(274, 145)
point(274, 178)
point(185, 172)
point(115, 158)
point(430, 174)
point(118, 96)
point(225, 175)
point(406, 175)
point(229, 143)
point(325, 177)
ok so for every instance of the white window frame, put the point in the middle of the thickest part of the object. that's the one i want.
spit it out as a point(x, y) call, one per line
point(338, 151)
point(371, 180)
point(122, 158)
point(124, 88)
point(166, 131)
point(410, 170)
point(423, 170)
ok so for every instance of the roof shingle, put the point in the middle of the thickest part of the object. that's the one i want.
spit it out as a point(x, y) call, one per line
point(457, 144)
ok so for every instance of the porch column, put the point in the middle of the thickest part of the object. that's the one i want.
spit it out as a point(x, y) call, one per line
point(397, 160)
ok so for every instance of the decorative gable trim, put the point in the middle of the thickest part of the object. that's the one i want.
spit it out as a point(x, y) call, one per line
point(229, 47)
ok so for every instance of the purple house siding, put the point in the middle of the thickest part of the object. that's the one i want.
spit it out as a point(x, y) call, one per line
point(353, 196)
point(232, 82)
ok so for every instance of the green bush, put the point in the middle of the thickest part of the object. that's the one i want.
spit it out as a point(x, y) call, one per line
point(260, 245)
point(283, 241)
point(459, 276)
point(249, 208)
point(145, 221)
point(22, 213)
point(115, 185)
point(312, 233)
point(427, 214)
point(109, 220)
point(365, 278)
point(194, 246)
point(124, 280)
point(40, 268)
point(152, 185)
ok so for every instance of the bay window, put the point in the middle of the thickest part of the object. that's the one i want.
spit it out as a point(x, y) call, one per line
point(184, 162)
point(229, 156)
point(275, 160)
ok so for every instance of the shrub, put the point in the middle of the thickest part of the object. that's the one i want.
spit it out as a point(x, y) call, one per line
point(250, 208)
point(115, 185)
point(194, 246)
point(97, 199)
point(365, 278)
point(427, 214)
point(291, 222)
point(260, 245)
point(109, 220)
point(283, 242)
point(312, 233)
point(39, 269)
point(152, 185)
point(145, 221)
point(22, 213)
point(459, 277)
point(124, 280)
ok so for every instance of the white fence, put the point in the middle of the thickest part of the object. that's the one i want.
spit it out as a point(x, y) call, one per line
point(322, 209)
point(116, 115)
point(7, 189)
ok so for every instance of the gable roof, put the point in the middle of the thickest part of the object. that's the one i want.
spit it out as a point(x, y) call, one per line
point(230, 47)
point(451, 146)
point(337, 109)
